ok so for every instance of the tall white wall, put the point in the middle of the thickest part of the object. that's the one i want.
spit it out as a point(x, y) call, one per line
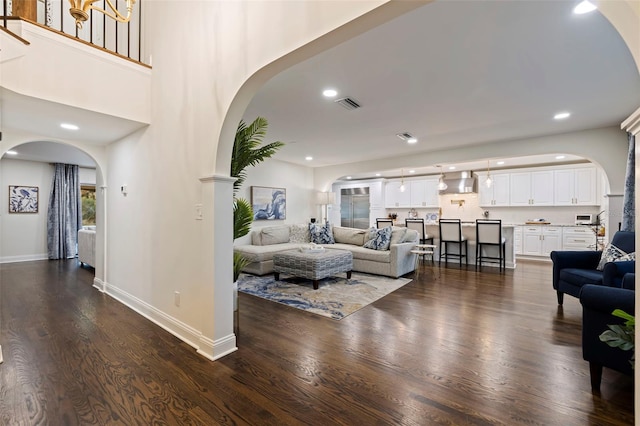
point(156, 244)
point(23, 236)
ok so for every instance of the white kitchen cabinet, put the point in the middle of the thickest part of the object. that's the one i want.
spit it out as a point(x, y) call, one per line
point(376, 198)
point(575, 187)
point(579, 238)
point(531, 188)
point(424, 193)
point(497, 194)
point(394, 198)
point(540, 240)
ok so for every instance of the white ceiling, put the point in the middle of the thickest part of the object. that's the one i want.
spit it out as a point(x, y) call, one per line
point(42, 117)
point(453, 74)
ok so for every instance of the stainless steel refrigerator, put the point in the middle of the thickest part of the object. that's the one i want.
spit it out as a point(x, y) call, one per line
point(354, 207)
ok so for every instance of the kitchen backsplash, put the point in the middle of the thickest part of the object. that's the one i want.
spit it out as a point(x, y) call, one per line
point(466, 208)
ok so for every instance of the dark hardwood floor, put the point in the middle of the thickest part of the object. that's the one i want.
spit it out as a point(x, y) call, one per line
point(453, 347)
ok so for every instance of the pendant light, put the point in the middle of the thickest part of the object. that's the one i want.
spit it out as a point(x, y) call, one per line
point(402, 187)
point(488, 181)
point(441, 183)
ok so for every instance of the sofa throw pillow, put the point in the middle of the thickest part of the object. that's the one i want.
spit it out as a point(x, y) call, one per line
point(610, 254)
point(321, 234)
point(299, 233)
point(351, 236)
point(397, 234)
point(370, 233)
point(381, 240)
point(411, 236)
point(275, 235)
point(628, 256)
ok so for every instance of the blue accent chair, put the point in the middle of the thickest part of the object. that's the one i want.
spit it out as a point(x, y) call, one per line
point(574, 269)
point(598, 302)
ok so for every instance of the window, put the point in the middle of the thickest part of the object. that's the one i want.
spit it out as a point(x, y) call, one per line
point(88, 196)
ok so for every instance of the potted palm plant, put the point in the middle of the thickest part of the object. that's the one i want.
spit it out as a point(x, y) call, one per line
point(247, 151)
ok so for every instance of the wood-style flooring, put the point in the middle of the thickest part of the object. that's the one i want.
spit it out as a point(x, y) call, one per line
point(453, 347)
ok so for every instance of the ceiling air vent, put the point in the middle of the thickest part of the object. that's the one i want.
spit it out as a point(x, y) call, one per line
point(404, 136)
point(348, 103)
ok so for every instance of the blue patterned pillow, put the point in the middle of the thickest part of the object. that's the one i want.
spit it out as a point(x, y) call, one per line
point(321, 234)
point(381, 241)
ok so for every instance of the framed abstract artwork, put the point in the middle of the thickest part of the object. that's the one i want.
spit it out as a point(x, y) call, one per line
point(23, 199)
point(268, 203)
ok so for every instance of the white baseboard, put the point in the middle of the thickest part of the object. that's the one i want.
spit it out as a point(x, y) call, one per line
point(99, 285)
point(27, 258)
point(206, 347)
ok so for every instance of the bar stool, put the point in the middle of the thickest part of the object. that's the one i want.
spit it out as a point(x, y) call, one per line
point(383, 222)
point(418, 225)
point(489, 233)
point(451, 233)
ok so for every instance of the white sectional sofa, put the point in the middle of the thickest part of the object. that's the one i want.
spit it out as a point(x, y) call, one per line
point(87, 245)
point(396, 261)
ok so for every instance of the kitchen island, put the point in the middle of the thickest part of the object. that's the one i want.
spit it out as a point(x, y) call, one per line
point(469, 232)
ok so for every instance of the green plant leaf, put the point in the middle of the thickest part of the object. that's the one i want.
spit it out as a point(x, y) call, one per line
point(630, 319)
point(242, 218)
point(247, 150)
point(239, 262)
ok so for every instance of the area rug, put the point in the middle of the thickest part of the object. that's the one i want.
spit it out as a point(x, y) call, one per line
point(336, 297)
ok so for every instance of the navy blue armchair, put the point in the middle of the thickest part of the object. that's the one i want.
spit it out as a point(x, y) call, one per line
point(574, 269)
point(598, 302)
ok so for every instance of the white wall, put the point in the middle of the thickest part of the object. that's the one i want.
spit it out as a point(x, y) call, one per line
point(298, 182)
point(87, 176)
point(23, 236)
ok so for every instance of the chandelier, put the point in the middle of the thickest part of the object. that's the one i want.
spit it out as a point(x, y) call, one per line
point(80, 8)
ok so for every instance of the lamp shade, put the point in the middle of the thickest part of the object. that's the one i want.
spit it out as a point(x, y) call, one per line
point(325, 198)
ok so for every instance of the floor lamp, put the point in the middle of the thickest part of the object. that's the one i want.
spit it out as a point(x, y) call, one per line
point(325, 199)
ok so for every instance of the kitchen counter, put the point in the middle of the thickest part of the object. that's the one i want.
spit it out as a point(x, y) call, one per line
point(469, 232)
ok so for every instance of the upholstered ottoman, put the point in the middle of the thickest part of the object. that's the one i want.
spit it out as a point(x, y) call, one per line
point(312, 265)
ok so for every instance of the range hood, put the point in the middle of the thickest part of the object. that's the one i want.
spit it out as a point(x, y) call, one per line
point(464, 182)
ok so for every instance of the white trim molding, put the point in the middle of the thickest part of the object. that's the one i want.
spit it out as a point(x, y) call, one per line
point(632, 123)
point(204, 346)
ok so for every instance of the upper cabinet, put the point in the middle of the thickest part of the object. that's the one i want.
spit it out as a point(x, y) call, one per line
point(497, 194)
point(531, 188)
point(394, 198)
point(565, 186)
point(417, 193)
point(424, 193)
point(575, 187)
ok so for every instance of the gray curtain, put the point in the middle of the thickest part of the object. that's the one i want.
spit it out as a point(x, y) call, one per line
point(64, 217)
point(628, 204)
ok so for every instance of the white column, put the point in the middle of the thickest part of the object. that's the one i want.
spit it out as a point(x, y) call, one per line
point(216, 258)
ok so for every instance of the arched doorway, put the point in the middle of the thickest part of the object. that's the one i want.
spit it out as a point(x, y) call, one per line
point(30, 163)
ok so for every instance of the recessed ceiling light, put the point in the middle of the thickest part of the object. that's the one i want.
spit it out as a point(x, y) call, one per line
point(412, 140)
point(308, 158)
point(452, 167)
point(560, 157)
point(330, 93)
point(12, 152)
point(584, 6)
point(69, 126)
point(348, 177)
point(561, 115)
point(500, 163)
point(412, 171)
point(378, 174)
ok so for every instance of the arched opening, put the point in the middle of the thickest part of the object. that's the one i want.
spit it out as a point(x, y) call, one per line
point(30, 164)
